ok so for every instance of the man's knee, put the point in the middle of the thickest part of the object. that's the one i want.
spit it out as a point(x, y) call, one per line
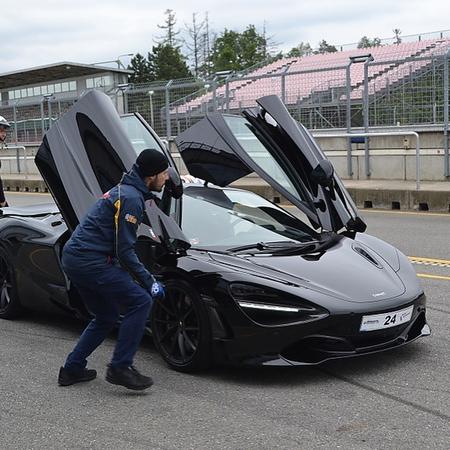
point(106, 323)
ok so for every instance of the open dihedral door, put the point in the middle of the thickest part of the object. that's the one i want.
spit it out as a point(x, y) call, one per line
point(84, 154)
point(268, 141)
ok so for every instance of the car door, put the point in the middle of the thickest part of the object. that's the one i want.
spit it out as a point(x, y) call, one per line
point(267, 140)
point(84, 154)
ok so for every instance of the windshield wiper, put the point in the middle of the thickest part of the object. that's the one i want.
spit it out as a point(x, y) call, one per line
point(269, 246)
point(327, 240)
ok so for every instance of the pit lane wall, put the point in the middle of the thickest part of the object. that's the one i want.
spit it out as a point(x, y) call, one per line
point(392, 158)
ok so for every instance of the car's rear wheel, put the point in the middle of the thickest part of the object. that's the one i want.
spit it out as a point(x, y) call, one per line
point(9, 300)
point(181, 329)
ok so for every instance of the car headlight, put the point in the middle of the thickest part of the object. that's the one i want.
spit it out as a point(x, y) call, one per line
point(268, 306)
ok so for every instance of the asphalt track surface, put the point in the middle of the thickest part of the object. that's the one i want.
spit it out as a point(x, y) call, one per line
point(393, 400)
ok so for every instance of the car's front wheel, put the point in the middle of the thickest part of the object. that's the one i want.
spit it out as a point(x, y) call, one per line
point(181, 328)
point(9, 300)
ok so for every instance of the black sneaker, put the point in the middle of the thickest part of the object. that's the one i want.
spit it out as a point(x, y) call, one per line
point(67, 377)
point(128, 377)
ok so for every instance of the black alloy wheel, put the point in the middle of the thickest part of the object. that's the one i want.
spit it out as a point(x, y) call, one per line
point(9, 302)
point(181, 328)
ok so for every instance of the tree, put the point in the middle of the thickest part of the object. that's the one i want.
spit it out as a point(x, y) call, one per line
point(252, 47)
point(195, 33)
point(302, 49)
point(237, 51)
point(365, 42)
point(171, 34)
point(324, 47)
point(206, 44)
point(141, 70)
point(167, 63)
point(397, 37)
point(225, 51)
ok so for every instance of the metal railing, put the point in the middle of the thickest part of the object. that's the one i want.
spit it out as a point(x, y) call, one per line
point(381, 93)
point(18, 148)
point(367, 150)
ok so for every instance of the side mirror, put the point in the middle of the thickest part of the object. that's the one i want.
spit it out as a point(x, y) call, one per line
point(166, 144)
point(174, 185)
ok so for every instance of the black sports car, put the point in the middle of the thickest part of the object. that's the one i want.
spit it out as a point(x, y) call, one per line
point(248, 281)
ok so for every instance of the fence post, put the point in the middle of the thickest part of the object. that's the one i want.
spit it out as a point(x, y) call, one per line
point(283, 88)
point(366, 114)
point(214, 86)
point(42, 117)
point(168, 124)
point(15, 122)
point(446, 100)
point(49, 113)
point(349, 119)
point(227, 96)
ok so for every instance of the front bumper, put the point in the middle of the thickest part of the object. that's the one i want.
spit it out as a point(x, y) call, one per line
point(309, 344)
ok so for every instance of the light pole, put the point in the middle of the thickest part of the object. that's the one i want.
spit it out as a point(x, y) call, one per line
point(150, 93)
point(48, 98)
point(122, 88)
point(119, 62)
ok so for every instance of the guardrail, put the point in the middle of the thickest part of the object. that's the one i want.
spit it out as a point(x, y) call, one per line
point(367, 151)
point(25, 157)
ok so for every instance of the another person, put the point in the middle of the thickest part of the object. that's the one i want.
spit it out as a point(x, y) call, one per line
point(4, 126)
point(101, 262)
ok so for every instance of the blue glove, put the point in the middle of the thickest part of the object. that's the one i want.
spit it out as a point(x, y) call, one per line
point(157, 291)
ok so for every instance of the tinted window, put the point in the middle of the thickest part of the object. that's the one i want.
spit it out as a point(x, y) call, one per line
point(139, 136)
point(257, 151)
point(226, 218)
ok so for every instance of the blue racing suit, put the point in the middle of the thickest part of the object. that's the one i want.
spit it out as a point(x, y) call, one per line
point(107, 234)
point(101, 262)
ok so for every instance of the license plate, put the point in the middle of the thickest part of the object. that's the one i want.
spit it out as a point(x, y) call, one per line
point(386, 320)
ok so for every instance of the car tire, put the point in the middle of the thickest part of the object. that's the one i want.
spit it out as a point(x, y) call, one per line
point(10, 306)
point(181, 329)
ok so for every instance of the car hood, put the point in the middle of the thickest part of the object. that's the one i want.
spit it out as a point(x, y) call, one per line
point(349, 271)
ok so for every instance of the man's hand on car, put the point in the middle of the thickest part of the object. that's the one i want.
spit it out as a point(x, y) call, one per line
point(157, 291)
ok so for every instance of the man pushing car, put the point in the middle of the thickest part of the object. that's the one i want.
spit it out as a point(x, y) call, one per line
point(101, 262)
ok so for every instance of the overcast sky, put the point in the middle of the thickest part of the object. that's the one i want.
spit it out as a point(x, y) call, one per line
point(41, 32)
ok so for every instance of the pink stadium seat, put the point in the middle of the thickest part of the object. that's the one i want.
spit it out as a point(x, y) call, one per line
point(322, 73)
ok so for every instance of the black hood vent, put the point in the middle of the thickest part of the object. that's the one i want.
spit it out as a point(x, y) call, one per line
point(365, 254)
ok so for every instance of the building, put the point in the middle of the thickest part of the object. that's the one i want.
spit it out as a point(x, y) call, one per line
point(32, 98)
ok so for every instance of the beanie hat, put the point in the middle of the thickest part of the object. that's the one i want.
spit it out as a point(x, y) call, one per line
point(151, 162)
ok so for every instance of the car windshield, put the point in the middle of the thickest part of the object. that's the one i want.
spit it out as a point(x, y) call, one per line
point(226, 218)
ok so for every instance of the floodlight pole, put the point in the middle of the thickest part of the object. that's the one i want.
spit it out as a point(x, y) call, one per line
point(168, 124)
point(152, 122)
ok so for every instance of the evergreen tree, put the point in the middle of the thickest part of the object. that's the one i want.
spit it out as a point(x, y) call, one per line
point(237, 51)
point(167, 63)
point(252, 47)
point(141, 70)
point(225, 52)
point(365, 42)
point(302, 49)
point(324, 47)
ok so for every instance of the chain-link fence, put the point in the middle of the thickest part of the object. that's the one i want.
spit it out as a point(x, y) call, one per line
point(385, 86)
point(364, 93)
point(30, 120)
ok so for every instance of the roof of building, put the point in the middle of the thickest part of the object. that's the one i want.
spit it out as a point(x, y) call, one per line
point(50, 72)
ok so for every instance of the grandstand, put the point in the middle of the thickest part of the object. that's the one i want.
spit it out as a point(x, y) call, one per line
point(321, 80)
